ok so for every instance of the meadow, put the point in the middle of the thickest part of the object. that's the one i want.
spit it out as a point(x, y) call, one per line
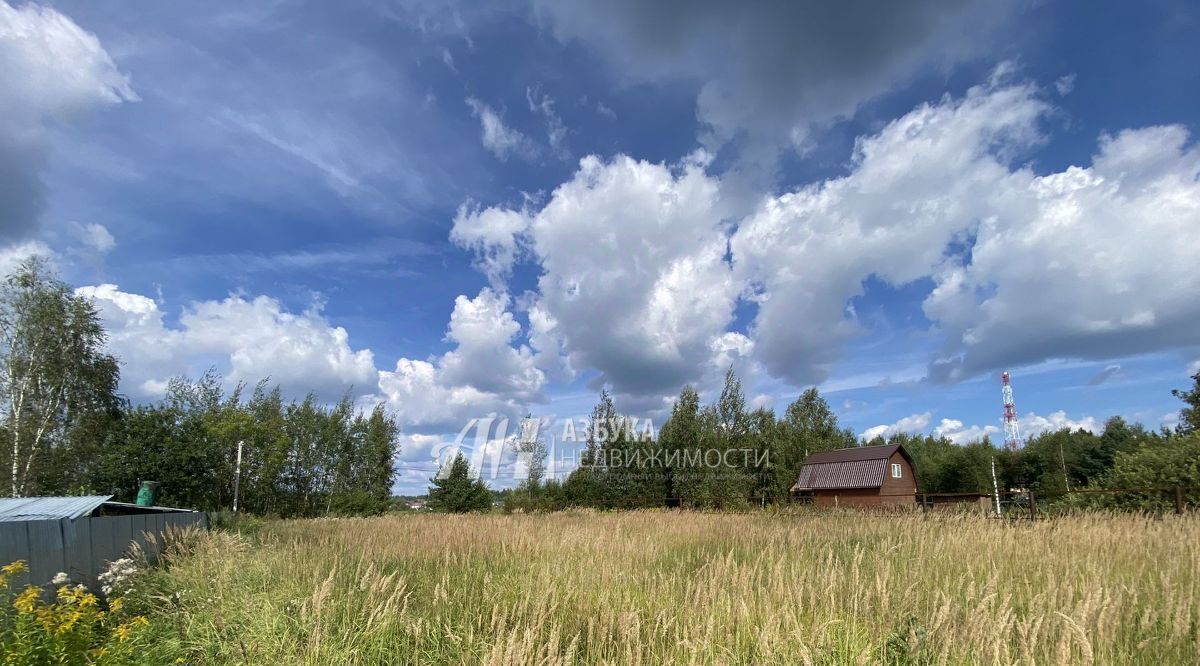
point(652, 587)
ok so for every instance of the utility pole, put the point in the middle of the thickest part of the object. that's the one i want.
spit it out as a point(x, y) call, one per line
point(237, 476)
point(995, 488)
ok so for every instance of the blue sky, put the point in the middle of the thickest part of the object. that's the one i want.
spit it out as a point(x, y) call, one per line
point(463, 209)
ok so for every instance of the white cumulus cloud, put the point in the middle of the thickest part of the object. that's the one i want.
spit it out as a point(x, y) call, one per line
point(11, 256)
point(483, 329)
point(916, 423)
point(247, 339)
point(1090, 262)
point(484, 373)
point(493, 235)
point(1024, 267)
point(960, 433)
point(1032, 424)
point(634, 282)
point(51, 70)
point(921, 182)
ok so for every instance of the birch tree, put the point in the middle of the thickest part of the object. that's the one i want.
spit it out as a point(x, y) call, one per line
point(52, 367)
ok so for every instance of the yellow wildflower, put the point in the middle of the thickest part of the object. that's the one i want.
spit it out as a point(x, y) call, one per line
point(15, 567)
point(27, 600)
point(8, 570)
point(125, 630)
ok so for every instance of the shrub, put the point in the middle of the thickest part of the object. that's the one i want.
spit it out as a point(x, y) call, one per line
point(1172, 462)
point(74, 628)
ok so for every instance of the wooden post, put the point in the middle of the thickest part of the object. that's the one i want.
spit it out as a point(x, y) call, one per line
point(1179, 500)
point(1032, 505)
point(237, 477)
point(995, 487)
point(925, 502)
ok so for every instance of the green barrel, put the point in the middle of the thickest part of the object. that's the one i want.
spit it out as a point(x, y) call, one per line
point(148, 493)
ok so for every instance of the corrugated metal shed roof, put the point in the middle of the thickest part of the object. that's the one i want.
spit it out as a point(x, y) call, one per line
point(146, 509)
point(49, 508)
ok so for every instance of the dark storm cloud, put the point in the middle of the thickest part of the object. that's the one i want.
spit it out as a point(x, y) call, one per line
point(769, 70)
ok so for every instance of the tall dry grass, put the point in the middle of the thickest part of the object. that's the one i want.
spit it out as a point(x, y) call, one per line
point(668, 587)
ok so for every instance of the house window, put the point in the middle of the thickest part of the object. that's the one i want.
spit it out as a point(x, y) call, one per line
point(895, 471)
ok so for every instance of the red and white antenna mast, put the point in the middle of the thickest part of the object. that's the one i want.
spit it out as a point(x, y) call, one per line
point(1012, 435)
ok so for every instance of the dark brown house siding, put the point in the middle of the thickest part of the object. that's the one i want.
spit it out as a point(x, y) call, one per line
point(839, 470)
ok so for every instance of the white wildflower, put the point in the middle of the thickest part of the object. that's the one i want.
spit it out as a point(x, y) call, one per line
point(60, 578)
point(118, 579)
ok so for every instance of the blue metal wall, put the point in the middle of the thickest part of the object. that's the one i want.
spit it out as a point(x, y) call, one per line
point(82, 548)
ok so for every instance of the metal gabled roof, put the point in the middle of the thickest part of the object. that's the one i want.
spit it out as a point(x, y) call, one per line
point(853, 454)
point(854, 467)
point(13, 509)
point(839, 475)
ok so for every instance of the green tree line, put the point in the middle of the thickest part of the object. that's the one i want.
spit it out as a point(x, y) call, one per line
point(619, 470)
point(720, 455)
point(67, 431)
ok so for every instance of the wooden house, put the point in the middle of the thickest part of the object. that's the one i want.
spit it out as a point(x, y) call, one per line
point(862, 476)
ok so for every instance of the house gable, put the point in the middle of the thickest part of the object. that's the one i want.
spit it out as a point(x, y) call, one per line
point(868, 475)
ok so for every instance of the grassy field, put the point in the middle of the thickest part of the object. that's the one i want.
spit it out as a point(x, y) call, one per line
point(663, 587)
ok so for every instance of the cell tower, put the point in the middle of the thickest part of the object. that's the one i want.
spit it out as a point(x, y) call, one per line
point(1012, 435)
